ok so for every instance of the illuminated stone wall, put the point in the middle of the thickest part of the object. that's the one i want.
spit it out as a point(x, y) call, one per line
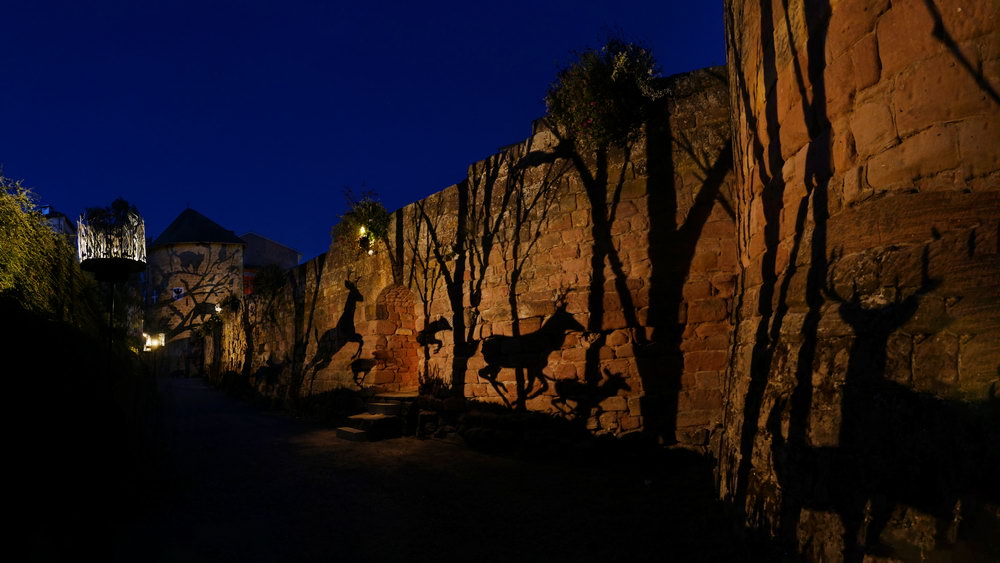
point(861, 406)
point(185, 282)
point(593, 287)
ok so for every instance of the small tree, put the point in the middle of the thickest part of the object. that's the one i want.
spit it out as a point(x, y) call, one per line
point(367, 222)
point(605, 96)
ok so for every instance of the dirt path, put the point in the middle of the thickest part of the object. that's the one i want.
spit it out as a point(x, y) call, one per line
point(242, 484)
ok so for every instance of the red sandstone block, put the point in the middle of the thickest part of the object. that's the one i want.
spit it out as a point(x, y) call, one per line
point(938, 89)
point(725, 283)
point(638, 222)
point(718, 328)
point(574, 236)
point(614, 404)
point(627, 423)
point(708, 360)
point(613, 320)
point(854, 187)
point(706, 310)
point(839, 85)
point(617, 338)
point(921, 155)
point(905, 35)
point(849, 20)
point(688, 416)
point(564, 252)
point(564, 371)
point(634, 189)
point(873, 127)
point(624, 351)
point(625, 209)
point(560, 222)
point(864, 59)
point(697, 289)
point(978, 139)
point(709, 379)
point(723, 228)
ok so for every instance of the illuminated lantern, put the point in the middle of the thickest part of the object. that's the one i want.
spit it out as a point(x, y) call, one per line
point(112, 241)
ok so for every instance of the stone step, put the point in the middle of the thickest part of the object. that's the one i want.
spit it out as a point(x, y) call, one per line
point(385, 407)
point(378, 426)
point(402, 396)
point(352, 434)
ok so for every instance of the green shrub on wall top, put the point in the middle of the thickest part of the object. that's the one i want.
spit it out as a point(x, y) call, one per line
point(605, 96)
point(366, 221)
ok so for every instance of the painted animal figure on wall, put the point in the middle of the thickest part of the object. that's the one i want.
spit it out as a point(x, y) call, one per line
point(528, 351)
point(428, 336)
point(340, 335)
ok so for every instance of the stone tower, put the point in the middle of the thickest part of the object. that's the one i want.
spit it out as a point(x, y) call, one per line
point(192, 266)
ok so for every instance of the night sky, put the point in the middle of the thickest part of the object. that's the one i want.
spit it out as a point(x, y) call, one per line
point(259, 114)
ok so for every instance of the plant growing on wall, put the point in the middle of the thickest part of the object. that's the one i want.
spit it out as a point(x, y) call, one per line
point(366, 220)
point(604, 97)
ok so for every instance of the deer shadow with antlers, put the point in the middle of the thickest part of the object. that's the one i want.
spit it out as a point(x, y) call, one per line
point(896, 446)
point(341, 334)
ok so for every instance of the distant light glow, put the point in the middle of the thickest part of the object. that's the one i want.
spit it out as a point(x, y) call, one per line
point(362, 231)
point(154, 341)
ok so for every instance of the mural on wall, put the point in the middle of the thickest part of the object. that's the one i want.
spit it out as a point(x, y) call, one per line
point(186, 281)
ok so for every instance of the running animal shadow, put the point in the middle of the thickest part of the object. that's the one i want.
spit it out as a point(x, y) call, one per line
point(340, 335)
point(529, 351)
point(587, 395)
point(428, 336)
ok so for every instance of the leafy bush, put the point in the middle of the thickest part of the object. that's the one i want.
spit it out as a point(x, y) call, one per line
point(38, 269)
point(366, 219)
point(604, 98)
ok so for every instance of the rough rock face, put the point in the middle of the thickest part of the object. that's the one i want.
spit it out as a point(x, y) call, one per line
point(862, 395)
point(593, 287)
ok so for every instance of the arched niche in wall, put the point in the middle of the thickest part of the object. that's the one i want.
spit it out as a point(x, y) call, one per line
point(395, 340)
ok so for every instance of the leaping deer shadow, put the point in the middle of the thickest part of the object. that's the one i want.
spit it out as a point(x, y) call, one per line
point(340, 335)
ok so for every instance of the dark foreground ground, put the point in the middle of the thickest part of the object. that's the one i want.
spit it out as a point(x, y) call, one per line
point(242, 484)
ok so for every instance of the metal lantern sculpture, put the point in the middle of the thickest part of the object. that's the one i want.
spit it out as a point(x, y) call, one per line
point(112, 245)
point(112, 241)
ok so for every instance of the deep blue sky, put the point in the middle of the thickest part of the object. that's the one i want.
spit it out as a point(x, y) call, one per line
point(258, 114)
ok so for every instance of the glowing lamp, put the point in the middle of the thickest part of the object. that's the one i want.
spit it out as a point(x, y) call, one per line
point(154, 341)
point(112, 242)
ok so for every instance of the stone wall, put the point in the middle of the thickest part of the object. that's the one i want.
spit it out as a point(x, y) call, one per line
point(593, 287)
point(861, 399)
point(185, 283)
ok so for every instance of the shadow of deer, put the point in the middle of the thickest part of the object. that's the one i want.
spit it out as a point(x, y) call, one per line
point(341, 334)
point(587, 395)
point(530, 351)
point(428, 336)
point(896, 446)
